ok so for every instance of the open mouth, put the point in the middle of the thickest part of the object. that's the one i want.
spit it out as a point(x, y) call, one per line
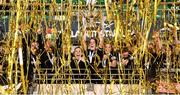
point(78, 55)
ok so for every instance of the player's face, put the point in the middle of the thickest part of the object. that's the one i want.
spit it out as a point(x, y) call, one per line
point(48, 45)
point(125, 54)
point(77, 52)
point(92, 44)
point(108, 48)
point(34, 47)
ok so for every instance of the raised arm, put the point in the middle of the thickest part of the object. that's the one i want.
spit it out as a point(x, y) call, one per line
point(101, 38)
point(40, 40)
point(83, 42)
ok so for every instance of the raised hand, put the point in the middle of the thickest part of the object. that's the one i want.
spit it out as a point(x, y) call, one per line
point(101, 38)
point(105, 57)
point(39, 31)
point(125, 61)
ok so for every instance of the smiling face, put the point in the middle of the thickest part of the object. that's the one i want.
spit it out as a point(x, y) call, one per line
point(108, 48)
point(34, 47)
point(92, 44)
point(125, 54)
point(150, 47)
point(77, 53)
point(48, 46)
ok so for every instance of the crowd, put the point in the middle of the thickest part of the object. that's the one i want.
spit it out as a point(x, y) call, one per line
point(93, 59)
